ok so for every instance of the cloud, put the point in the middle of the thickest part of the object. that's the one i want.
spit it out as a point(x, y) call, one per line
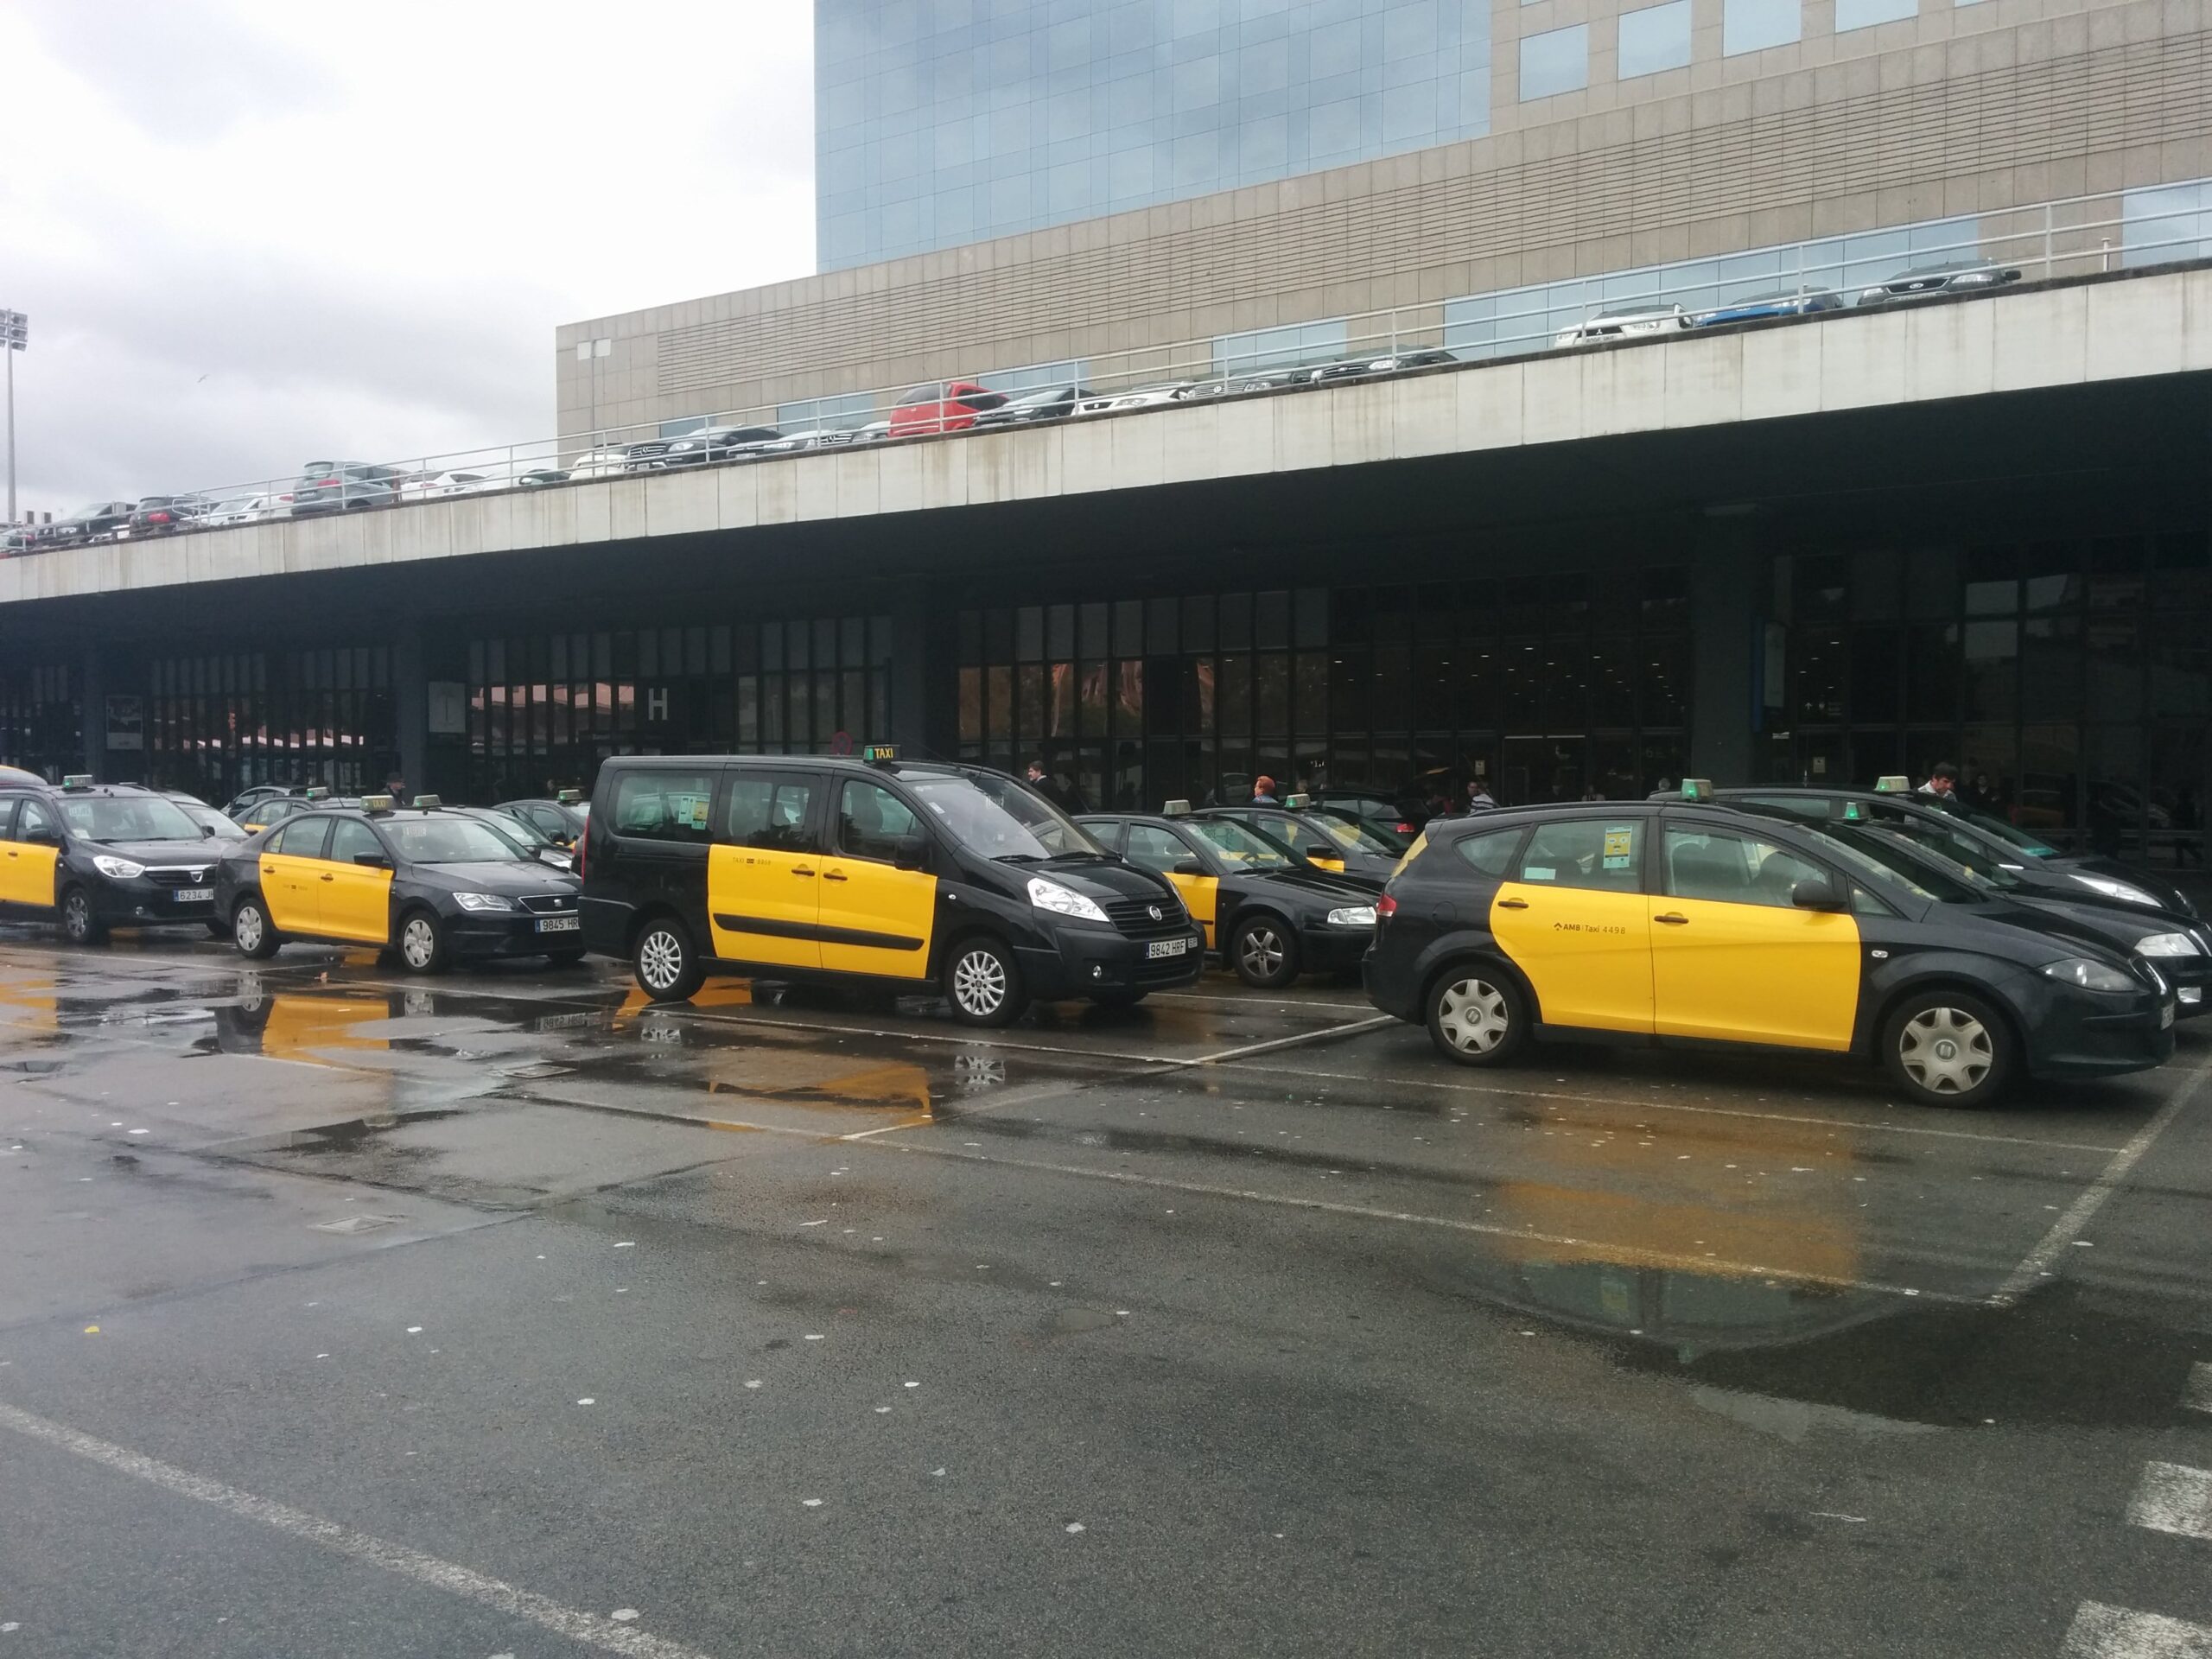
point(254, 233)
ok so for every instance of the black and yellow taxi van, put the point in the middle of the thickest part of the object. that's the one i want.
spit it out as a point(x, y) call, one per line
point(1270, 913)
point(871, 869)
point(91, 856)
point(431, 885)
point(1684, 921)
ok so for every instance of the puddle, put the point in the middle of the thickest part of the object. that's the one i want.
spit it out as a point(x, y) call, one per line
point(356, 1132)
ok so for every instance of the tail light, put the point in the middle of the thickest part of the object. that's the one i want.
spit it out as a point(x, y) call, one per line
point(1405, 829)
point(1385, 908)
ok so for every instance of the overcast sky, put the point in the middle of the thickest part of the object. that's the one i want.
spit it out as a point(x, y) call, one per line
point(250, 234)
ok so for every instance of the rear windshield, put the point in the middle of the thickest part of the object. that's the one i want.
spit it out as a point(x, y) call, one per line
point(1000, 818)
point(1246, 848)
point(127, 818)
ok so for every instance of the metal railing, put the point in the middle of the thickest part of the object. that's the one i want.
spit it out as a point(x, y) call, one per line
point(2046, 242)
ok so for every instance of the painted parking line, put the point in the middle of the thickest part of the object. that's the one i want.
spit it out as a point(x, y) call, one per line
point(2199, 1396)
point(2173, 1497)
point(1300, 1040)
point(592, 1629)
point(2040, 1263)
point(2103, 1632)
point(1454, 1086)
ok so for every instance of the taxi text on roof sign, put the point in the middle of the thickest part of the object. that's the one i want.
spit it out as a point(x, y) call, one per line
point(376, 803)
point(880, 751)
point(1697, 789)
point(76, 780)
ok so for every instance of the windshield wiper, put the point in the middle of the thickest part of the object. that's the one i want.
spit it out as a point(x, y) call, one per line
point(1016, 858)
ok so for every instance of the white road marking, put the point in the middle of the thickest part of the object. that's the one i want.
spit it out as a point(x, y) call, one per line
point(2102, 1632)
point(1298, 1041)
point(2037, 1262)
point(2173, 1497)
point(1627, 1253)
point(398, 1559)
point(2199, 1396)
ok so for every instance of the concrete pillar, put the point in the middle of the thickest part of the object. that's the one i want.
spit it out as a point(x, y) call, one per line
point(1726, 622)
point(410, 708)
point(93, 701)
point(924, 684)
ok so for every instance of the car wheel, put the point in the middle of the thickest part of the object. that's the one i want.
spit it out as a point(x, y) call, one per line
point(78, 924)
point(1476, 1015)
point(1264, 952)
point(422, 942)
point(982, 984)
point(250, 930)
point(666, 966)
point(1947, 1048)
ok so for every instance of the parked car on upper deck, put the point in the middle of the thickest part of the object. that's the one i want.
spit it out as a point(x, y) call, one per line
point(696, 448)
point(943, 406)
point(159, 515)
point(424, 486)
point(345, 485)
point(608, 461)
point(97, 521)
point(1926, 282)
point(1629, 322)
point(1168, 392)
point(1049, 403)
point(1360, 368)
point(248, 508)
point(1788, 303)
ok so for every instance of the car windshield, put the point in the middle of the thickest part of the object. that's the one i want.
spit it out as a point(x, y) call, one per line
point(127, 818)
point(1000, 818)
point(97, 509)
point(1247, 849)
point(207, 818)
point(516, 827)
point(2010, 834)
point(450, 841)
point(1356, 836)
point(1867, 853)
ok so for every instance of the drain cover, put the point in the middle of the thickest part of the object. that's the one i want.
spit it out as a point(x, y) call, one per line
point(537, 1068)
point(350, 1224)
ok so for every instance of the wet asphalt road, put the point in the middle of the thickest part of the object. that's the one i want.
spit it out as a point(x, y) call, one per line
point(348, 1315)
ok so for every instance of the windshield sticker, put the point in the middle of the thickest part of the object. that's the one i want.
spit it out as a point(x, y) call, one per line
point(1539, 873)
point(1617, 861)
point(1618, 844)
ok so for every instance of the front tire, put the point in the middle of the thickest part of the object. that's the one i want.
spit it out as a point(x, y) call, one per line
point(1477, 1016)
point(982, 984)
point(1264, 952)
point(251, 930)
point(78, 924)
point(665, 960)
point(422, 942)
point(1947, 1048)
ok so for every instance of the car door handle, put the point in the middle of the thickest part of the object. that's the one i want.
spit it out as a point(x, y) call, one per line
point(835, 875)
point(802, 869)
point(1672, 919)
point(329, 878)
point(1513, 904)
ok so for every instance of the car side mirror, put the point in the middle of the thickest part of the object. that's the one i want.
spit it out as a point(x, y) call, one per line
point(207, 832)
point(912, 852)
point(374, 861)
point(1818, 893)
point(1188, 866)
point(42, 836)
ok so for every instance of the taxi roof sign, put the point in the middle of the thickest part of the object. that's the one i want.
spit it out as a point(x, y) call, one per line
point(1893, 784)
point(1297, 803)
point(1174, 808)
point(569, 797)
point(429, 802)
point(376, 803)
point(315, 792)
point(1697, 789)
point(1851, 814)
point(76, 780)
point(879, 752)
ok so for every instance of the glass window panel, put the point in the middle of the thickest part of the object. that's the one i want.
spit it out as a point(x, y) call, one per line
point(1655, 38)
point(1752, 25)
point(1865, 14)
point(1558, 61)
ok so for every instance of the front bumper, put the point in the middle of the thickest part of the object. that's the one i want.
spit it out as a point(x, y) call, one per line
point(1083, 962)
point(479, 934)
point(2080, 1034)
point(137, 902)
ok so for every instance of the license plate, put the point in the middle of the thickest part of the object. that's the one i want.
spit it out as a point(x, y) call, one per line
point(2165, 1016)
point(559, 923)
point(193, 895)
point(1160, 948)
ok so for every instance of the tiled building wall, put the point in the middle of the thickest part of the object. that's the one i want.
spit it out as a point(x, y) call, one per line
point(1957, 110)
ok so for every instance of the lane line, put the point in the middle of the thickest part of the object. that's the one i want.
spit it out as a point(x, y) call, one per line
point(396, 1559)
point(1299, 1041)
point(2036, 1265)
point(2199, 1397)
point(2103, 1632)
point(1626, 1254)
point(2173, 1497)
point(1674, 1106)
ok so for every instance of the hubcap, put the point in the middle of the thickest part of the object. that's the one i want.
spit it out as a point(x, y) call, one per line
point(77, 916)
point(247, 929)
point(660, 959)
point(1946, 1051)
point(417, 943)
point(1263, 952)
point(979, 983)
point(1472, 1016)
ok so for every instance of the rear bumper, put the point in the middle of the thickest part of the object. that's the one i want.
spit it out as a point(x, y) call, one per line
point(1086, 964)
point(1391, 985)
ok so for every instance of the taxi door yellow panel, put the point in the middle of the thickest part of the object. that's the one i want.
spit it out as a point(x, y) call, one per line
point(765, 905)
point(356, 902)
point(1754, 973)
point(1588, 952)
point(27, 873)
point(1202, 898)
point(876, 918)
point(289, 887)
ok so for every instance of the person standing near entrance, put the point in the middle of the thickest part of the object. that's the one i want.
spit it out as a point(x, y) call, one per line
point(1263, 791)
point(1479, 799)
point(1942, 782)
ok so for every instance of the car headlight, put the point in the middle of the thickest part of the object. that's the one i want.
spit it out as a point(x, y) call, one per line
point(1063, 901)
point(2169, 944)
point(1972, 278)
point(118, 869)
point(2126, 892)
point(2089, 975)
point(1867, 296)
point(1353, 916)
point(482, 901)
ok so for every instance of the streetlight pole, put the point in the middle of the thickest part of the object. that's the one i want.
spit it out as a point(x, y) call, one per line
point(15, 336)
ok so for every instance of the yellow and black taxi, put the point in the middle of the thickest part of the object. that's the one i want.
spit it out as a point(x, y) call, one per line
point(559, 818)
point(1684, 921)
point(432, 885)
point(269, 810)
point(92, 856)
point(1340, 846)
point(1270, 915)
point(869, 869)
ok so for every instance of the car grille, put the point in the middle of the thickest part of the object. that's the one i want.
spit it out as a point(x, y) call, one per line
point(1133, 916)
point(190, 875)
point(549, 904)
